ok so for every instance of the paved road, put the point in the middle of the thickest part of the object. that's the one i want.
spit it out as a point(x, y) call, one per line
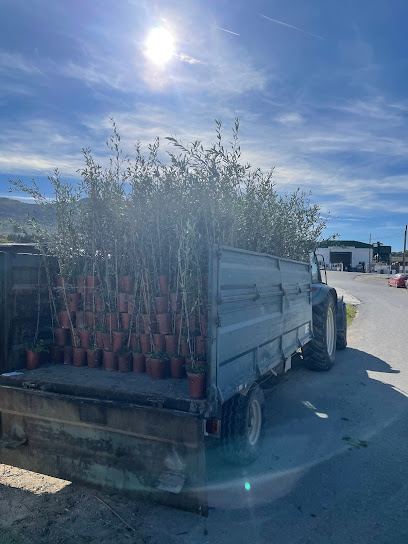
point(334, 467)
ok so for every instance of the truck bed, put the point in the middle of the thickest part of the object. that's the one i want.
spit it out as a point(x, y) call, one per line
point(101, 384)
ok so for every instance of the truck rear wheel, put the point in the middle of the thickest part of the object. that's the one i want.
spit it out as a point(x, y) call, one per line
point(242, 427)
point(320, 352)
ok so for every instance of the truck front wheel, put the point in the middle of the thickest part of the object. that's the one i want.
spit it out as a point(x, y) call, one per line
point(242, 427)
point(320, 352)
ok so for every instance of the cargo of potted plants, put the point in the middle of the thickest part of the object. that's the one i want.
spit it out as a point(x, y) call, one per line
point(94, 356)
point(177, 363)
point(139, 361)
point(78, 355)
point(33, 354)
point(159, 361)
point(56, 354)
point(197, 379)
point(124, 360)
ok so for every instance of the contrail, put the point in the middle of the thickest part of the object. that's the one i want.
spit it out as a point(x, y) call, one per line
point(229, 31)
point(291, 26)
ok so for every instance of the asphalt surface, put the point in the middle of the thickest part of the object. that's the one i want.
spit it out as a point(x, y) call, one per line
point(334, 466)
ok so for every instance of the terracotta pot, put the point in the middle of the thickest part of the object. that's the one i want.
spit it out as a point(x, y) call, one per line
point(32, 360)
point(145, 343)
point(99, 339)
point(73, 300)
point(61, 280)
point(74, 334)
point(177, 367)
point(98, 301)
point(90, 319)
point(122, 302)
point(80, 319)
point(110, 361)
point(164, 323)
point(134, 341)
point(64, 321)
point(68, 353)
point(106, 340)
point(159, 342)
point(127, 284)
point(118, 340)
point(164, 286)
point(85, 337)
point(196, 384)
point(139, 363)
point(99, 320)
point(92, 282)
point(81, 283)
point(79, 358)
point(199, 345)
point(125, 362)
point(184, 347)
point(93, 357)
point(44, 357)
point(147, 323)
point(188, 361)
point(171, 343)
point(56, 354)
point(125, 321)
point(112, 322)
point(131, 305)
point(162, 305)
point(148, 366)
point(88, 302)
point(159, 368)
point(192, 325)
point(61, 336)
point(175, 302)
point(204, 325)
point(178, 321)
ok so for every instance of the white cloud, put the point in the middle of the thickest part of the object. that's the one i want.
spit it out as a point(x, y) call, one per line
point(189, 60)
point(290, 118)
point(15, 61)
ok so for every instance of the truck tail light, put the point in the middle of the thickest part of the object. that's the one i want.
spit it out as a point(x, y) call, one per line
point(213, 426)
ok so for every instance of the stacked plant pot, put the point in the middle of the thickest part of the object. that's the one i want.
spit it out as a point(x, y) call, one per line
point(155, 337)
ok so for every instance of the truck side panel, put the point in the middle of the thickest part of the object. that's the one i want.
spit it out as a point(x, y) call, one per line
point(261, 315)
point(118, 446)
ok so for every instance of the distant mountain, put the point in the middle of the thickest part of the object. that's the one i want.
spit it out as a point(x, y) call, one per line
point(17, 211)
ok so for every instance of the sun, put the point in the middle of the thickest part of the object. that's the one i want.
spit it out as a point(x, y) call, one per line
point(159, 46)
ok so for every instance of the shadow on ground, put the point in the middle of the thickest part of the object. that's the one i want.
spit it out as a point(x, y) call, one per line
point(312, 418)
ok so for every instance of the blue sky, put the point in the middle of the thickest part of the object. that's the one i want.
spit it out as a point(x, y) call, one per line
point(324, 100)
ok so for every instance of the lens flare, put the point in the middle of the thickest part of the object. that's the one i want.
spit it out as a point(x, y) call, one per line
point(159, 46)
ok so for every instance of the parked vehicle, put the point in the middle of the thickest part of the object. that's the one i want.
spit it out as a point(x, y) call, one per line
point(398, 280)
point(148, 435)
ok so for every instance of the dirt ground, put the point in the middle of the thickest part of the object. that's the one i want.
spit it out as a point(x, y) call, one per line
point(36, 508)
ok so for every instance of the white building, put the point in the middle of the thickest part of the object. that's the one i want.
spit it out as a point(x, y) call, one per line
point(351, 254)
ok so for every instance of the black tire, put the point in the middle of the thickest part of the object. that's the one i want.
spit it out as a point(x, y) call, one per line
point(238, 445)
point(341, 336)
point(316, 354)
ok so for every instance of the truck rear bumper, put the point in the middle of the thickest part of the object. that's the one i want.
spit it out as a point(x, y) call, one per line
point(123, 447)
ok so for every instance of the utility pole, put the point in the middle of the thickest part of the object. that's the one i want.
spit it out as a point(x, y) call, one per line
point(370, 253)
point(405, 248)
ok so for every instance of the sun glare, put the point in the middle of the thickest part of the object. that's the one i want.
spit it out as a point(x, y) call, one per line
point(159, 46)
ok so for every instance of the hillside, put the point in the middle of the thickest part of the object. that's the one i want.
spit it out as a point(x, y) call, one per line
point(16, 210)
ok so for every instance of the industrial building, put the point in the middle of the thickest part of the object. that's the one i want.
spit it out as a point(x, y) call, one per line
point(350, 255)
